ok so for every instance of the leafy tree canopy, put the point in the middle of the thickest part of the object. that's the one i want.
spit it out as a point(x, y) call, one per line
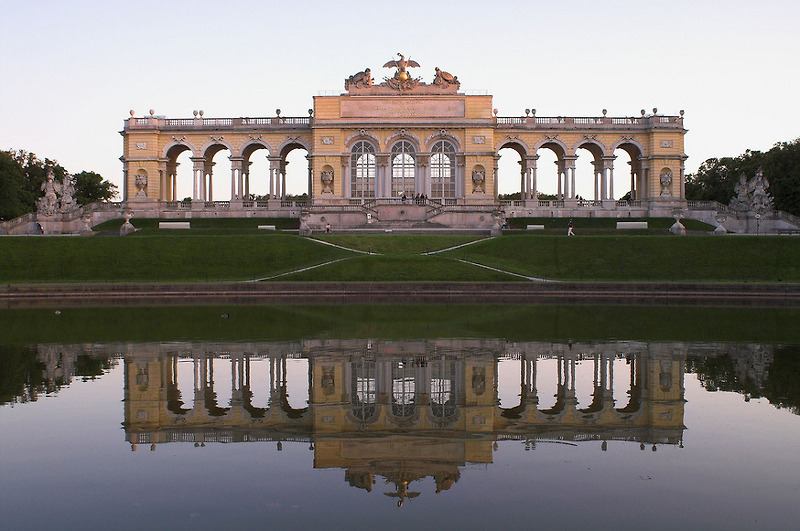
point(716, 178)
point(22, 174)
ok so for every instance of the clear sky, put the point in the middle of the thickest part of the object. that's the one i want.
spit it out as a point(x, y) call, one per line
point(72, 70)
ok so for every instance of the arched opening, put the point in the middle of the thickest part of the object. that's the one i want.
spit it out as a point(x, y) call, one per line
point(255, 172)
point(403, 169)
point(363, 169)
point(296, 183)
point(628, 176)
point(549, 166)
point(443, 170)
point(217, 171)
point(588, 173)
point(179, 175)
point(509, 172)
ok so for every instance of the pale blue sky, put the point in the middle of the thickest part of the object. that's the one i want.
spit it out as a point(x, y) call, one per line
point(71, 70)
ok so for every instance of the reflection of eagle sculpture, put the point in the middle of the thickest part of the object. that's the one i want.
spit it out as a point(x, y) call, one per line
point(401, 66)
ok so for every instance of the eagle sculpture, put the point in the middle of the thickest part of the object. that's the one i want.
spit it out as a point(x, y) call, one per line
point(401, 66)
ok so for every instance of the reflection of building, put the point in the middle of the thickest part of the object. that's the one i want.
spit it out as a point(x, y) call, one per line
point(403, 410)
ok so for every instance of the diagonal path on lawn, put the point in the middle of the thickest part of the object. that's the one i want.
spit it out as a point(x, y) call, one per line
point(329, 262)
point(342, 247)
point(427, 253)
point(533, 279)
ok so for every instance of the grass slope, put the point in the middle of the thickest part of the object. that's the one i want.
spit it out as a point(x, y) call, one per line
point(642, 258)
point(398, 243)
point(159, 258)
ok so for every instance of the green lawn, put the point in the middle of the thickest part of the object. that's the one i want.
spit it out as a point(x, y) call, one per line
point(152, 255)
point(606, 226)
point(205, 226)
point(398, 243)
point(641, 258)
point(400, 268)
point(158, 258)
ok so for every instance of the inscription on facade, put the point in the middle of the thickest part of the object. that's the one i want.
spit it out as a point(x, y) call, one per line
point(327, 140)
point(478, 139)
point(666, 143)
point(141, 145)
point(405, 108)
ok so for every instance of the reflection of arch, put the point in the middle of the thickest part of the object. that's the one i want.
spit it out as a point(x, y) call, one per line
point(247, 405)
point(292, 413)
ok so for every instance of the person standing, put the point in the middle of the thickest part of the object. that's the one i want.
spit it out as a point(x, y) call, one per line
point(570, 231)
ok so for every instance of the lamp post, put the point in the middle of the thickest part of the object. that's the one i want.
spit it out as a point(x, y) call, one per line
point(758, 223)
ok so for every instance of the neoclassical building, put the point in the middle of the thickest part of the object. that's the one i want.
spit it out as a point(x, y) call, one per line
point(389, 142)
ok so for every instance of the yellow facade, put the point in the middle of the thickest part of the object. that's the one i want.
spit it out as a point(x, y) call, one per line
point(427, 119)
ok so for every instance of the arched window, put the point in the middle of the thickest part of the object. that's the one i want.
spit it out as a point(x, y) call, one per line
point(403, 169)
point(363, 165)
point(443, 170)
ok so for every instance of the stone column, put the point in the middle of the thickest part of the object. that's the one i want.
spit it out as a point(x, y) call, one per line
point(198, 165)
point(163, 177)
point(236, 170)
point(344, 161)
point(569, 177)
point(596, 180)
point(683, 181)
point(274, 166)
point(172, 178)
point(531, 162)
point(608, 168)
point(208, 173)
point(125, 182)
point(560, 171)
point(633, 180)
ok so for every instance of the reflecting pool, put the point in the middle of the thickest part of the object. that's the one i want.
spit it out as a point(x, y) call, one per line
point(344, 430)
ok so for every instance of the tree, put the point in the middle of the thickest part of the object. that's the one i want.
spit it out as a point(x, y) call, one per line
point(90, 188)
point(22, 174)
point(716, 178)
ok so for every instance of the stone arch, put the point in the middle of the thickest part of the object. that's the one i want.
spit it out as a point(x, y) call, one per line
point(636, 152)
point(628, 143)
point(593, 145)
point(361, 134)
point(402, 134)
point(218, 143)
point(254, 144)
point(442, 134)
point(171, 152)
point(290, 144)
point(515, 143)
point(556, 145)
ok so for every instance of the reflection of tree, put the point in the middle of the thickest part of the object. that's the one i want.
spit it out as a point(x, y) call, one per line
point(22, 377)
point(780, 381)
point(782, 387)
point(720, 374)
point(89, 368)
